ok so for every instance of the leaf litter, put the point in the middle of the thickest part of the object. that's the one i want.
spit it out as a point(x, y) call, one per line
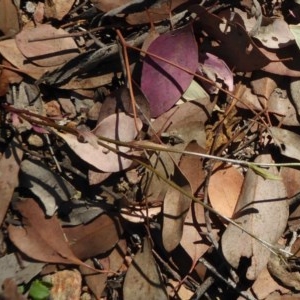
point(113, 118)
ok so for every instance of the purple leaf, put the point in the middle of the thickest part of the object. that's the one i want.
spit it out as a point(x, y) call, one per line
point(214, 67)
point(162, 83)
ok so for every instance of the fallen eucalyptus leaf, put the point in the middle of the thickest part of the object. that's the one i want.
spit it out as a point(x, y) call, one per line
point(50, 188)
point(143, 278)
point(263, 210)
point(287, 141)
point(40, 238)
point(162, 83)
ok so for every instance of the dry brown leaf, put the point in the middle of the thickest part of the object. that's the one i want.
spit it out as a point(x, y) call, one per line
point(57, 9)
point(224, 188)
point(291, 180)
point(49, 187)
point(264, 285)
point(143, 278)
point(20, 267)
point(248, 100)
point(95, 281)
point(11, 52)
point(192, 241)
point(9, 18)
point(117, 126)
point(260, 203)
point(280, 105)
point(33, 237)
point(295, 93)
point(9, 170)
point(159, 11)
point(192, 167)
point(263, 85)
point(7, 77)
point(192, 111)
point(94, 238)
point(244, 55)
point(47, 53)
point(117, 256)
point(279, 269)
point(10, 291)
point(120, 101)
point(175, 208)
point(287, 141)
point(77, 82)
point(281, 62)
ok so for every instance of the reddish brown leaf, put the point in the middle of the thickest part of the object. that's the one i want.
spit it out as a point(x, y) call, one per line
point(9, 18)
point(40, 238)
point(7, 77)
point(192, 168)
point(95, 281)
point(10, 291)
point(9, 170)
point(94, 238)
point(224, 189)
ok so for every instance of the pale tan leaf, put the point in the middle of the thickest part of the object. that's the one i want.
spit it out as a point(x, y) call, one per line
point(139, 214)
point(193, 243)
point(143, 278)
point(46, 53)
point(117, 126)
point(264, 285)
point(224, 188)
point(175, 208)
point(287, 141)
point(280, 105)
point(11, 52)
point(278, 269)
point(260, 203)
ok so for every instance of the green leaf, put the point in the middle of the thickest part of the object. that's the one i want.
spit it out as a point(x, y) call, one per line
point(264, 173)
point(40, 290)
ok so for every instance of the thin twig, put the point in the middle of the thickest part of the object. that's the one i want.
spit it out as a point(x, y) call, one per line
point(228, 281)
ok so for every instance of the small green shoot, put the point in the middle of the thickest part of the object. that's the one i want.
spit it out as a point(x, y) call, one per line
point(263, 172)
point(40, 290)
